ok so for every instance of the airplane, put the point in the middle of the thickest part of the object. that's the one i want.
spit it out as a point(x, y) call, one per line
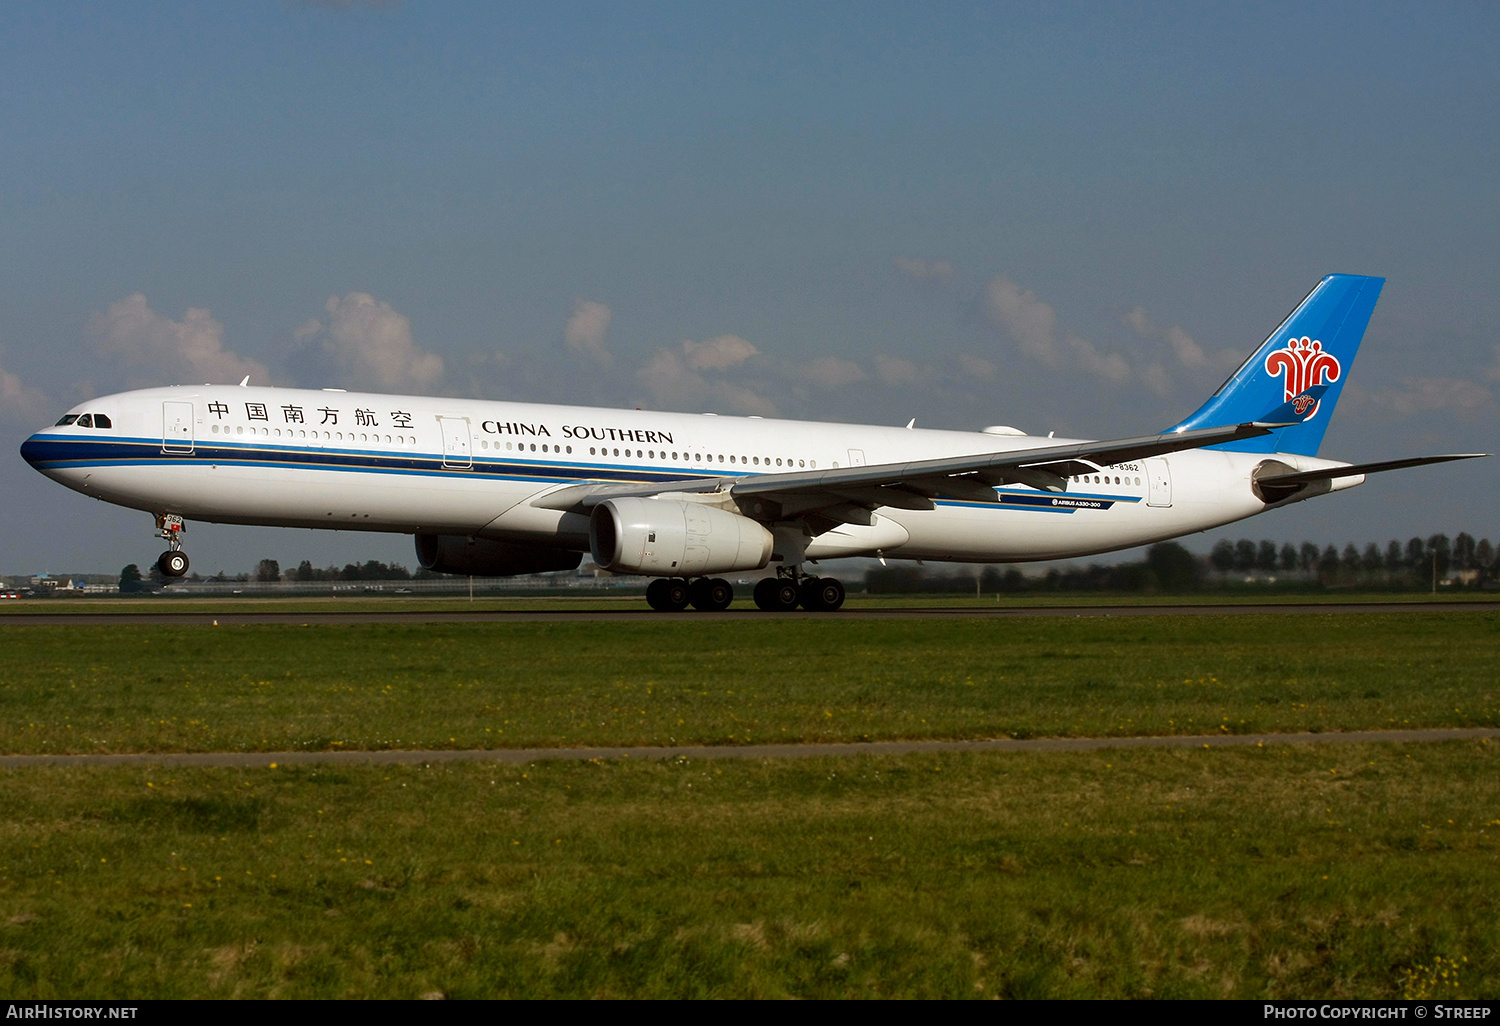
point(504, 488)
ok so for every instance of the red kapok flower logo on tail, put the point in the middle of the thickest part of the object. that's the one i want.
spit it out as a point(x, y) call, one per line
point(1302, 364)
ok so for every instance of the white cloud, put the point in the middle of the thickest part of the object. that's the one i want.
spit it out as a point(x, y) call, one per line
point(977, 367)
point(19, 404)
point(895, 371)
point(369, 344)
point(1032, 324)
point(924, 270)
point(1427, 395)
point(1189, 353)
point(1155, 377)
point(718, 354)
point(586, 328)
point(155, 346)
point(675, 377)
point(1140, 323)
point(743, 399)
point(832, 372)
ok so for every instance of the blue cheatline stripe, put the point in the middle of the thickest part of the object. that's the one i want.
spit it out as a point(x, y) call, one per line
point(57, 453)
point(75, 452)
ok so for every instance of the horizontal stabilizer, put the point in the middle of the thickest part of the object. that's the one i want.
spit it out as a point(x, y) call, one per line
point(1333, 473)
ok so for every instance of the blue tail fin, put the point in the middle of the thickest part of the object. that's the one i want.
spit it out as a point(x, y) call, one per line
point(1315, 346)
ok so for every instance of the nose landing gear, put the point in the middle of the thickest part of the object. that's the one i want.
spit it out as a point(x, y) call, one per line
point(173, 562)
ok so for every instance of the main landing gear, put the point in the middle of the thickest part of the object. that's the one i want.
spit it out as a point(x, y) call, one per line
point(674, 594)
point(786, 591)
point(791, 588)
point(173, 562)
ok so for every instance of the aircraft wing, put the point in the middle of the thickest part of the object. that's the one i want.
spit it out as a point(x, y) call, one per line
point(912, 485)
point(970, 478)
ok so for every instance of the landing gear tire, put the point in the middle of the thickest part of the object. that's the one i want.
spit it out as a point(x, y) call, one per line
point(172, 563)
point(765, 594)
point(776, 595)
point(787, 596)
point(656, 594)
point(710, 595)
point(667, 594)
point(822, 594)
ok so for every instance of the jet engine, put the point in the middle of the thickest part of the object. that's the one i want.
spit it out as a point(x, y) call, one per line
point(484, 557)
point(675, 539)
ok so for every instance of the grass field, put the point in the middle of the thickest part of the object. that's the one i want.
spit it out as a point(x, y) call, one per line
point(1356, 870)
point(634, 600)
point(685, 681)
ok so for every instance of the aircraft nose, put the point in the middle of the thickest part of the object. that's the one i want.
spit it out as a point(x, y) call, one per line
point(33, 450)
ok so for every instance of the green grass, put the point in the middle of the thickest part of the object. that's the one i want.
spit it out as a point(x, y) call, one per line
point(633, 600)
point(660, 681)
point(1284, 872)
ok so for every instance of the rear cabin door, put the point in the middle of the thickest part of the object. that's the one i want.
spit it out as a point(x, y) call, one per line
point(456, 442)
point(177, 427)
point(1159, 480)
point(856, 457)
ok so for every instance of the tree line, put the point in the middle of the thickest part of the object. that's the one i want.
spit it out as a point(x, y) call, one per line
point(1167, 567)
point(1418, 564)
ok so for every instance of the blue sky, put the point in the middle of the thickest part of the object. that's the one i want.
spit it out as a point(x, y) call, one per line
point(1063, 217)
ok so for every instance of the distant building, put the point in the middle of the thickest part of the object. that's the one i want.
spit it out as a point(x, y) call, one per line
point(48, 583)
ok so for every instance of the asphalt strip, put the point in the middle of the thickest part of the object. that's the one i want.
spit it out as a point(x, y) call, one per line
point(522, 756)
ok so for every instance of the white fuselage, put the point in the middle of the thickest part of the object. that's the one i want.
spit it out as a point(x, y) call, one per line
point(365, 461)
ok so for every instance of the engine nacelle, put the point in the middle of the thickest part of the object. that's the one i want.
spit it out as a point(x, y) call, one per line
point(484, 557)
point(675, 539)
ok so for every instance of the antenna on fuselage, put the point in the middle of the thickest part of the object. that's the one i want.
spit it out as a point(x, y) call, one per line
point(245, 383)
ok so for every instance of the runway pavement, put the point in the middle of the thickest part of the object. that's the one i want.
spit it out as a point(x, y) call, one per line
point(228, 615)
point(521, 756)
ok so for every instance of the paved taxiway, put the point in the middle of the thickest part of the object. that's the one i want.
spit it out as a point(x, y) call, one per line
point(522, 756)
point(230, 616)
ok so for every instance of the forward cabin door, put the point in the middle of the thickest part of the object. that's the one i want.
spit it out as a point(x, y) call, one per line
point(1159, 480)
point(456, 442)
point(177, 427)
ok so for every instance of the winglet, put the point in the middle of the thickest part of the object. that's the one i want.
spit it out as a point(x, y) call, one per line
point(1296, 411)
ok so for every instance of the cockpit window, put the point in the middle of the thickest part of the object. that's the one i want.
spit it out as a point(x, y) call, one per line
point(68, 419)
point(86, 421)
point(100, 420)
